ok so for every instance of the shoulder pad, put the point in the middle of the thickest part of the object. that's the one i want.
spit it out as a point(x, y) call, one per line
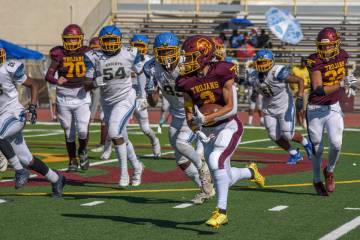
point(149, 67)
point(281, 72)
point(12, 66)
point(226, 70)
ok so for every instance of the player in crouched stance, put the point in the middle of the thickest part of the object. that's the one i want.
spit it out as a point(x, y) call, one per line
point(12, 121)
point(110, 70)
point(328, 74)
point(272, 81)
point(205, 82)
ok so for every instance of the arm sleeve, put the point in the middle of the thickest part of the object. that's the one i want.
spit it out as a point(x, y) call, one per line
point(139, 62)
point(90, 66)
point(17, 72)
point(141, 79)
point(233, 110)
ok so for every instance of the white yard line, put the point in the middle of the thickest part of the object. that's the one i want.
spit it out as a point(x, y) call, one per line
point(350, 208)
point(11, 180)
point(342, 230)
point(183, 205)
point(94, 203)
point(2, 201)
point(278, 208)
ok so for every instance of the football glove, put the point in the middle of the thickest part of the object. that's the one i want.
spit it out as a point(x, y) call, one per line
point(198, 118)
point(99, 81)
point(350, 92)
point(299, 104)
point(349, 82)
point(33, 114)
point(203, 138)
point(150, 85)
point(141, 104)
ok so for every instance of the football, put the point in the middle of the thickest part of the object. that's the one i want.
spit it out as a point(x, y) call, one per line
point(209, 108)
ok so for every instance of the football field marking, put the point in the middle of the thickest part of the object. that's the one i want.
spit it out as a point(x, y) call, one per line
point(278, 208)
point(184, 205)
point(342, 230)
point(350, 208)
point(94, 203)
point(2, 201)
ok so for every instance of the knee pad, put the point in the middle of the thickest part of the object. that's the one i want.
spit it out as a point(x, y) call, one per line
point(288, 135)
point(273, 136)
point(335, 144)
point(182, 161)
point(83, 135)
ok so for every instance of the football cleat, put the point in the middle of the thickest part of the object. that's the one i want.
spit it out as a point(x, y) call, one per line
point(124, 181)
point(293, 159)
point(320, 189)
point(84, 160)
point(205, 178)
point(329, 180)
point(57, 187)
point(107, 150)
point(3, 163)
point(73, 166)
point(217, 219)
point(21, 177)
point(258, 179)
point(309, 150)
point(98, 148)
point(201, 197)
point(156, 148)
point(136, 178)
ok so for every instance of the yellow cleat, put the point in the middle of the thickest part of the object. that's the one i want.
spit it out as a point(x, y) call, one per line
point(258, 178)
point(217, 219)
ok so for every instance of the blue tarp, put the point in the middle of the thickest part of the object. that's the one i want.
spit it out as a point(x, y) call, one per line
point(18, 52)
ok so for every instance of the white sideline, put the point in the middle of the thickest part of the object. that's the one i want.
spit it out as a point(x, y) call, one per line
point(278, 208)
point(350, 208)
point(342, 230)
point(94, 203)
point(184, 205)
point(2, 201)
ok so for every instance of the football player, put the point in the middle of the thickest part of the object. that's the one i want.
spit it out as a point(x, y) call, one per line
point(272, 81)
point(161, 72)
point(73, 101)
point(206, 82)
point(141, 42)
point(111, 70)
point(328, 74)
point(12, 121)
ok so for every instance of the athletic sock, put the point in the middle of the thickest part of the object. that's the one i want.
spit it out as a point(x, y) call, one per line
point(121, 154)
point(304, 141)
point(82, 144)
point(250, 121)
point(41, 168)
point(192, 173)
point(15, 163)
point(316, 163)
point(71, 149)
point(132, 156)
point(222, 182)
point(239, 173)
point(103, 134)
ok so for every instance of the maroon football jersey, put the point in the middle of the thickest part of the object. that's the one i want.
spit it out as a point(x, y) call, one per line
point(71, 65)
point(207, 89)
point(332, 73)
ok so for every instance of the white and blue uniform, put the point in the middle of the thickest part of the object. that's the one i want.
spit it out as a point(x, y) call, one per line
point(117, 95)
point(277, 104)
point(12, 116)
point(179, 133)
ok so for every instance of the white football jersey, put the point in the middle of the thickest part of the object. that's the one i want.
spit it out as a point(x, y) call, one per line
point(139, 81)
point(275, 89)
point(165, 80)
point(115, 71)
point(12, 73)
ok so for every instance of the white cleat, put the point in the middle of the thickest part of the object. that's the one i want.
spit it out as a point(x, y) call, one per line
point(107, 151)
point(156, 148)
point(124, 181)
point(3, 163)
point(159, 131)
point(201, 197)
point(98, 148)
point(136, 178)
point(205, 177)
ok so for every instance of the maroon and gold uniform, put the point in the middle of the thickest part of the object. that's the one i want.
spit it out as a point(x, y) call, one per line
point(332, 72)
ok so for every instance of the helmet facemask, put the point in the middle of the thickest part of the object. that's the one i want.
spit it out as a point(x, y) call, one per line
point(141, 47)
point(72, 42)
point(263, 64)
point(328, 49)
point(110, 43)
point(189, 62)
point(167, 55)
point(2, 56)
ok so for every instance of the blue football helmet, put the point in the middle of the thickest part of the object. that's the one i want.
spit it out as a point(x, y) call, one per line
point(263, 60)
point(141, 42)
point(110, 39)
point(2, 54)
point(166, 48)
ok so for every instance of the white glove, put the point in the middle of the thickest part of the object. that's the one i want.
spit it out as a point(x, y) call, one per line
point(99, 81)
point(350, 92)
point(349, 81)
point(141, 104)
point(203, 138)
point(198, 117)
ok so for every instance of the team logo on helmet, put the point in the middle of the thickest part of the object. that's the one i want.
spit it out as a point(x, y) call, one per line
point(72, 37)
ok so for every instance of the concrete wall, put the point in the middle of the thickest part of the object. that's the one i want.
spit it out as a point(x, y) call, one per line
point(40, 22)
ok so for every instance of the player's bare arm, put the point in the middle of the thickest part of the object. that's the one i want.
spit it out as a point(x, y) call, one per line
point(153, 97)
point(317, 84)
point(50, 74)
point(299, 82)
point(228, 99)
point(189, 106)
point(34, 87)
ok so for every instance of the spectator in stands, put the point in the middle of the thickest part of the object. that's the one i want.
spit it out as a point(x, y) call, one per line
point(253, 39)
point(301, 72)
point(235, 39)
point(223, 37)
point(263, 41)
